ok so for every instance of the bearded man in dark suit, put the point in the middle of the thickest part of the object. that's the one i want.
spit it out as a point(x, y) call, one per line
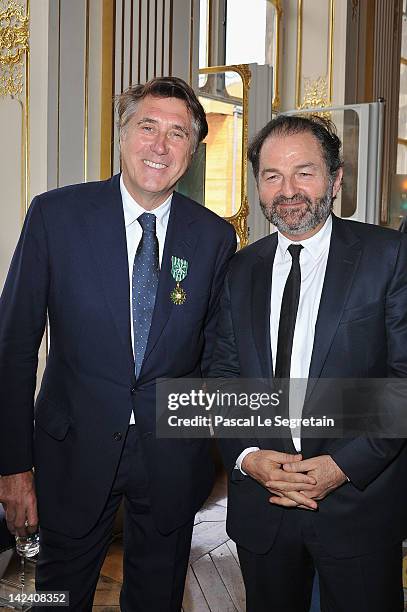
point(129, 273)
point(321, 298)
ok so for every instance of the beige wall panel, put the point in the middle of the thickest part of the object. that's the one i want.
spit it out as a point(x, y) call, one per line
point(151, 50)
point(159, 39)
point(135, 65)
point(71, 102)
point(168, 12)
point(11, 207)
point(315, 47)
point(339, 56)
point(181, 34)
point(118, 47)
point(38, 97)
point(94, 90)
point(143, 40)
point(126, 43)
point(289, 54)
point(53, 95)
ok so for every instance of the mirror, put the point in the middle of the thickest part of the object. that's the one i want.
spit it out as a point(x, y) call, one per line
point(218, 174)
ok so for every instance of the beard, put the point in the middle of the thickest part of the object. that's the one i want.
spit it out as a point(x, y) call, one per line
point(298, 220)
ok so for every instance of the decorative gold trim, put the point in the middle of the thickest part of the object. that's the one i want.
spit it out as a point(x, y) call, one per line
point(315, 93)
point(402, 141)
point(313, 88)
point(239, 219)
point(86, 97)
point(403, 60)
point(277, 54)
point(14, 45)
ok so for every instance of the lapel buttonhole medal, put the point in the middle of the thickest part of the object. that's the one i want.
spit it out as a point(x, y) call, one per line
point(179, 270)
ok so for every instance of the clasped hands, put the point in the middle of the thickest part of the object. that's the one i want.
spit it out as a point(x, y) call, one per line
point(294, 482)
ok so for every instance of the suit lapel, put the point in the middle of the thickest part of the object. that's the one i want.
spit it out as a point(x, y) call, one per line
point(260, 312)
point(106, 230)
point(180, 241)
point(343, 260)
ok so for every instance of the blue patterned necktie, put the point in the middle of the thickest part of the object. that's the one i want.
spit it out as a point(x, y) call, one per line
point(145, 282)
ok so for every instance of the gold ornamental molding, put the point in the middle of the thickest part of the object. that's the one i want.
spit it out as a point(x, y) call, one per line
point(315, 93)
point(318, 92)
point(14, 35)
point(239, 219)
point(276, 80)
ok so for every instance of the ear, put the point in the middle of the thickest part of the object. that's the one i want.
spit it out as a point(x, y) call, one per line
point(338, 182)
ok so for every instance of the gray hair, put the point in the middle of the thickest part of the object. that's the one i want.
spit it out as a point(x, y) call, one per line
point(162, 87)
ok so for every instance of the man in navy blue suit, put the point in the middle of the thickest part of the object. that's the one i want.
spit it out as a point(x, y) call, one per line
point(129, 274)
point(321, 298)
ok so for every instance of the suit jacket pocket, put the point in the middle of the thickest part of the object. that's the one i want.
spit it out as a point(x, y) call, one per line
point(364, 311)
point(53, 420)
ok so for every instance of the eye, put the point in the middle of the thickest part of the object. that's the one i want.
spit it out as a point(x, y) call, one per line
point(177, 135)
point(272, 177)
point(303, 174)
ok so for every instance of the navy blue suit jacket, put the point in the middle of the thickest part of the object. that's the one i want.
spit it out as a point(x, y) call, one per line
point(361, 332)
point(71, 263)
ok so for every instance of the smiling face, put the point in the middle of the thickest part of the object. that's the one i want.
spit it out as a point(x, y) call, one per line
point(156, 148)
point(295, 189)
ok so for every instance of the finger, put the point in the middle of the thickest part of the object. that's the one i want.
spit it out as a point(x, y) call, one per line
point(20, 524)
point(299, 466)
point(281, 485)
point(283, 457)
point(295, 477)
point(303, 507)
point(282, 501)
point(10, 519)
point(299, 498)
point(32, 517)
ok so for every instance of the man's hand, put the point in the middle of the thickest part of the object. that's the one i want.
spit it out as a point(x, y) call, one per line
point(17, 494)
point(327, 474)
point(265, 466)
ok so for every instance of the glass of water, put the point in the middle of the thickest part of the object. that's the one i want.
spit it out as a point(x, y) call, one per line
point(28, 546)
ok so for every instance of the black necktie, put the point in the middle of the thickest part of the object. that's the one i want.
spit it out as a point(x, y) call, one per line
point(288, 314)
point(145, 282)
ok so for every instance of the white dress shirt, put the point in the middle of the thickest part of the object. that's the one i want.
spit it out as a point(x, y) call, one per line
point(313, 260)
point(132, 211)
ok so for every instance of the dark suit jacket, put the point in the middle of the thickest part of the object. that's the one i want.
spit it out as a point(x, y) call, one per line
point(361, 332)
point(71, 262)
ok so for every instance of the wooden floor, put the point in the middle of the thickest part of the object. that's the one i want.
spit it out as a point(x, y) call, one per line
point(214, 582)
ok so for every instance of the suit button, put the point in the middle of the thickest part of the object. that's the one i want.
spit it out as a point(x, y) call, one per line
point(117, 436)
point(133, 390)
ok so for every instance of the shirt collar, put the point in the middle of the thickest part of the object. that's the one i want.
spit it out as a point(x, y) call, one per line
point(315, 246)
point(132, 210)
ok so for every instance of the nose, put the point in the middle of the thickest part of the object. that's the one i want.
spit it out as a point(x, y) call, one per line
point(159, 144)
point(288, 187)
